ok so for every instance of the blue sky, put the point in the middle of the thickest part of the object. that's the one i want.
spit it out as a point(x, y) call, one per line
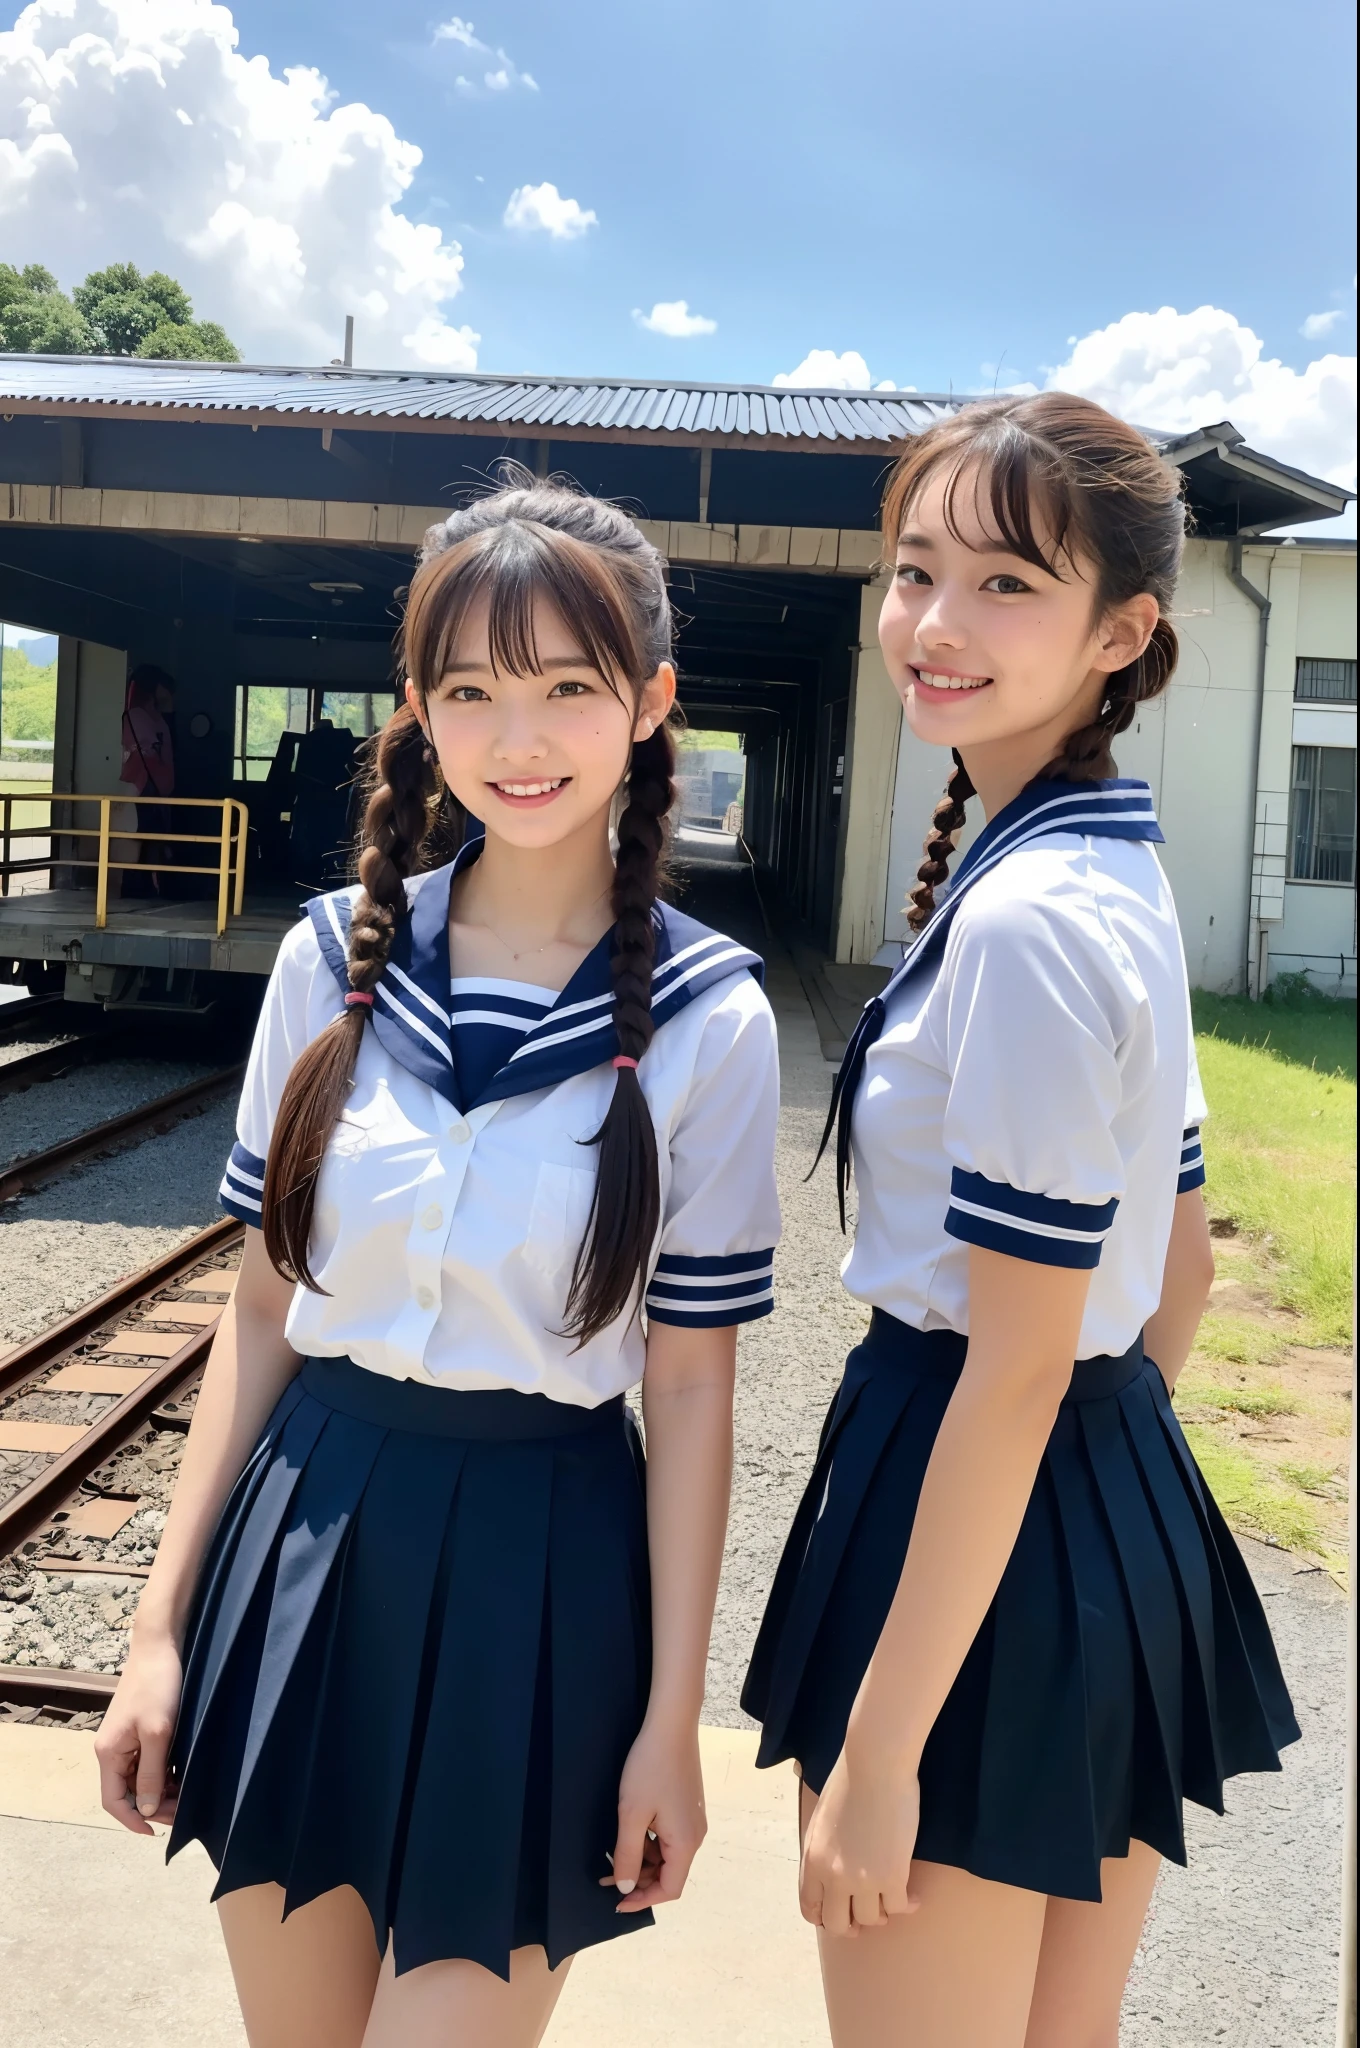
point(941, 191)
point(1153, 205)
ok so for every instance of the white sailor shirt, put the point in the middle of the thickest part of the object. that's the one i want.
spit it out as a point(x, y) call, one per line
point(445, 1230)
point(1027, 1081)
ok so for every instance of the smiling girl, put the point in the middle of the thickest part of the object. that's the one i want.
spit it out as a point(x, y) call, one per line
point(1010, 1632)
point(437, 1711)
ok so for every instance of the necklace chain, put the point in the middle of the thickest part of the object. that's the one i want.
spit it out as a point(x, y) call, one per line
point(525, 952)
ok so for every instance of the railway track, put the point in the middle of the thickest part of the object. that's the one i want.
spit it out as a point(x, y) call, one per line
point(49, 1062)
point(156, 1116)
point(18, 1017)
point(92, 1417)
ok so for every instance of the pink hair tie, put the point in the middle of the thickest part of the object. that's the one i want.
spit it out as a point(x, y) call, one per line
point(357, 996)
point(624, 1061)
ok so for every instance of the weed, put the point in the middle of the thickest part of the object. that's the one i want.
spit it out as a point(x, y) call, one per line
point(1237, 1340)
point(1249, 1497)
point(1322, 1479)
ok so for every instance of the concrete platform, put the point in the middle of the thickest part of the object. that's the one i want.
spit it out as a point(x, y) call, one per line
point(58, 924)
point(102, 1946)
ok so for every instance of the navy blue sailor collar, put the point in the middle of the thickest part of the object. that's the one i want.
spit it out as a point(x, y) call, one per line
point(411, 1012)
point(1120, 808)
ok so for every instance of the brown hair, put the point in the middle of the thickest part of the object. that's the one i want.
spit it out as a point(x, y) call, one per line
point(1103, 496)
point(524, 542)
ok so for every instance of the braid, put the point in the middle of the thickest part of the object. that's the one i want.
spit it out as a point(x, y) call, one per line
point(626, 1209)
point(947, 821)
point(1087, 754)
point(397, 825)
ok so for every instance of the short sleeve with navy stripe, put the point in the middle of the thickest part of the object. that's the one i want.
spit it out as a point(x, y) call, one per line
point(300, 1001)
point(1037, 1012)
point(716, 1260)
point(1191, 1174)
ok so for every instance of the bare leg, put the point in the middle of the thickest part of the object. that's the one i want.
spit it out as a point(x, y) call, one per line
point(959, 1973)
point(303, 1982)
point(1086, 1954)
point(455, 2002)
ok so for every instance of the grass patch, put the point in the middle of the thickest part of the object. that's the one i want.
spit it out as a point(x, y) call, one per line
point(1250, 1497)
point(1280, 1145)
point(1323, 1479)
point(1258, 1402)
point(1237, 1340)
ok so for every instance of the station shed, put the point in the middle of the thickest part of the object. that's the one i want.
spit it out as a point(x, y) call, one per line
point(248, 530)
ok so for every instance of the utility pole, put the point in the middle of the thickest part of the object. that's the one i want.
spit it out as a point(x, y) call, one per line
point(349, 341)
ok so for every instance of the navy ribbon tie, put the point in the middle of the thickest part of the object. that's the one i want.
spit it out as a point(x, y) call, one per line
point(865, 1033)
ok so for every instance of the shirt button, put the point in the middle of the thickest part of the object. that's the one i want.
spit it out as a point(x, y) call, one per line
point(424, 1297)
point(460, 1131)
point(432, 1218)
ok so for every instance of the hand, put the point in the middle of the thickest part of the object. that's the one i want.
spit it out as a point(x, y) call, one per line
point(661, 1818)
point(858, 1848)
point(134, 1738)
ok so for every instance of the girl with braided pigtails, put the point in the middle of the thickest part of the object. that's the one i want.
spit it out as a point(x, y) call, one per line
point(421, 1660)
point(1011, 1633)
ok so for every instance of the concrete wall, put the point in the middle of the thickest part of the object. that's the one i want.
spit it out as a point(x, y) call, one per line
point(91, 689)
point(1225, 815)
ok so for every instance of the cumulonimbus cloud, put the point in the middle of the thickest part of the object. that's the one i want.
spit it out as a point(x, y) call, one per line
point(1176, 371)
point(136, 130)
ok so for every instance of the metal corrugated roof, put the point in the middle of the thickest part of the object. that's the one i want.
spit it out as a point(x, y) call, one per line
point(878, 418)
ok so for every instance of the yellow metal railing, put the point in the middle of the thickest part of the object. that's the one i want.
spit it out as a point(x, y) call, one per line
point(229, 840)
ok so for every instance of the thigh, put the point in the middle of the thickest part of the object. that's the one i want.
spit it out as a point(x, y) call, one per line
point(442, 2003)
point(1086, 1954)
point(303, 1982)
point(957, 1973)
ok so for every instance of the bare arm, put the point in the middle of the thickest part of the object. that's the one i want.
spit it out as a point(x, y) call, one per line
point(248, 1368)
point(1025, 1322)
point(687, 1408)
point(1186, 1279)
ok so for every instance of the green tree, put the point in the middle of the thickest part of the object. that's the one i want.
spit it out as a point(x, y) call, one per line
point(189, 341)
point(36, 317)
point(116, 312)
point(131, 315)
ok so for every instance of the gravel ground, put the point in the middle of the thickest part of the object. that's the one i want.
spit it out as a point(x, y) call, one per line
point(49, 1111)
point(74, 1239)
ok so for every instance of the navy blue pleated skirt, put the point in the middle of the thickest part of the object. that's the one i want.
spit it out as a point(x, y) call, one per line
point(1124, 1665)
point(419, 1655)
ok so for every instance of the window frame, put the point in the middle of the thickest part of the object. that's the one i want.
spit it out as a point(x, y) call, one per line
point(1306, 831)
point(1307, 669)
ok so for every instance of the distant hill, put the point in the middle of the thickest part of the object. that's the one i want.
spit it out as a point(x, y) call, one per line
point(39, 652)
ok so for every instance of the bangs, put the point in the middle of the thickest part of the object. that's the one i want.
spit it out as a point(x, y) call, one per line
point(515, 566)
point(1018, 489)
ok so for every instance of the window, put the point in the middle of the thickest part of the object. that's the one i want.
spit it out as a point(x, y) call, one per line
point(1322, 815)
point(1324, 682)
point(265, 711)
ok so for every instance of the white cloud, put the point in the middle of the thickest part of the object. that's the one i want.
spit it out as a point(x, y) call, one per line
point(457, 31)
point(823, 370)
point(673, 317)
point(134, 129)
point(1318, 324)
point(506, 74)
point(542, 206)
point(1178, 371)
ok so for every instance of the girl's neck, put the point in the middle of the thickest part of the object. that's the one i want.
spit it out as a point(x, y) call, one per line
point(999, 769)
point(541, 907)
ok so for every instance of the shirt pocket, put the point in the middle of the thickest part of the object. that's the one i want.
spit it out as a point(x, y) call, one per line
point(558, 1217)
